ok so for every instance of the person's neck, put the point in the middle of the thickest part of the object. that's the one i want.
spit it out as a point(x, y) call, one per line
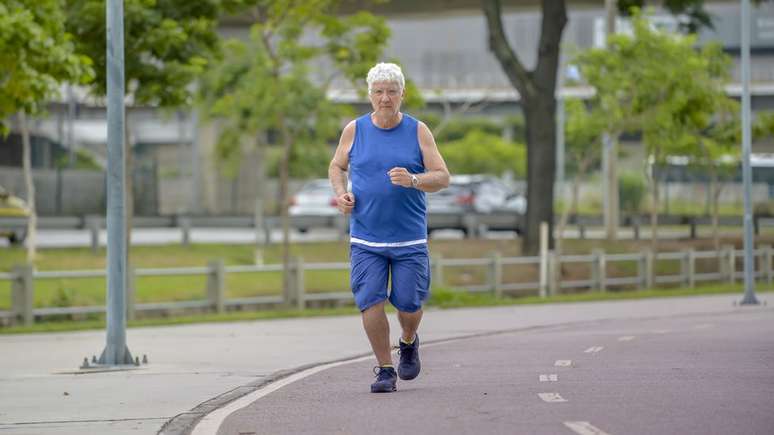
point(386, 122)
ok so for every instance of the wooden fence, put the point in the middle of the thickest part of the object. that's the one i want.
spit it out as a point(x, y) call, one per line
point(727, 261)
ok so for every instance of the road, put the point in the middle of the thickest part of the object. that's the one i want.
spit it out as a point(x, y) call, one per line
point(48, 238)
point(707, 374)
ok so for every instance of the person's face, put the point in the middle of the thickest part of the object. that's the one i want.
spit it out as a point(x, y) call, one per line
point(386, 98)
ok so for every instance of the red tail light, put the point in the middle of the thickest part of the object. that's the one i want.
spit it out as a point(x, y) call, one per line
point(292, 201)
point(333, 202)
point(465, 199)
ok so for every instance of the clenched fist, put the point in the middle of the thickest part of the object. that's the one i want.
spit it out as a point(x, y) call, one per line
point(400, 176)
point(345, 202)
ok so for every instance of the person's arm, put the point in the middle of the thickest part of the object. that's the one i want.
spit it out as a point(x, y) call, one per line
point(337, 170)
point(436, 175)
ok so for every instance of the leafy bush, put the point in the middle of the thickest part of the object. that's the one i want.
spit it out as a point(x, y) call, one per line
point(479, 152)
point(631, 192)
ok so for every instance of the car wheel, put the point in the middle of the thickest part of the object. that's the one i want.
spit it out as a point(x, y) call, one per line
point(303, 230)
point(17, 238)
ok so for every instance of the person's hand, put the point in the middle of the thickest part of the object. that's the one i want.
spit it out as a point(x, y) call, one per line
point(400, 176)
point(345, 202)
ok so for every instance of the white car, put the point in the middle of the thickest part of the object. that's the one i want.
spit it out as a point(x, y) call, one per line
point(315, 198)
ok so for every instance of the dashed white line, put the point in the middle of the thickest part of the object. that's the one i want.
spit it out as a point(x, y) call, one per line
point(703, 326)
point(661, 331)
point(626, 338)
point(584, 428)
point(594, 349)
point(552, 397)
point(563, 363)
point(549, 378)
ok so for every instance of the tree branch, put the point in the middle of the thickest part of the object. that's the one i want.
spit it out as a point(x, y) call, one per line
point(519, 77)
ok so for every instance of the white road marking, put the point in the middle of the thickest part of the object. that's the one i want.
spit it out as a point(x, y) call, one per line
point(661, 331)
point(563, 363)
point(626, 338)
point(549, 378)
point(594, 349)
point(552, 397)
point(584, 428)
point(703, 326)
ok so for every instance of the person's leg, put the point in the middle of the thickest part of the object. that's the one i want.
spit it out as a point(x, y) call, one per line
point(410, 288)
point(378, 331)
point(409, 323)
point(368, 278)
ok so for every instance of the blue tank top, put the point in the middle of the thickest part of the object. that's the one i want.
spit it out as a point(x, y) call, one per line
point(384, 212)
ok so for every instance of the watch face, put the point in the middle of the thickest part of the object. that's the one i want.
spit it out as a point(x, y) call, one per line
point(414, 180)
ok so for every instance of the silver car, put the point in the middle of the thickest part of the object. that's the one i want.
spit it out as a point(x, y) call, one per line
point(315, 198)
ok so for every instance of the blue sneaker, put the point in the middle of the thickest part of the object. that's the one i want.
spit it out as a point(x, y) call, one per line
point(409, 366)
point(385, 380)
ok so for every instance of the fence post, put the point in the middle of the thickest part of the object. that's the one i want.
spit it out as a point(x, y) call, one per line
point(543, 259)
point(601, 267)
point(471, 226)
point(437, 277)
point(342, 225)
point(298, 282)
point(582, 231)
point(23, 293)
point(730, 262)
point(496, 274)
point(767, 254)
point(131, 294)
point(216, 285)
point(185, 228)
point(94, 224)
point(636, 227)
point(554, 273)
point(692, 222)
point(650, 269)
point(688, 268)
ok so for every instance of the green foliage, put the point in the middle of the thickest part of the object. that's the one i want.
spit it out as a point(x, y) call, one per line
point(764, 125)
point(37, 56)
point(481, 152)
point(269, 82)
point(310, 162)
point(167, 44)
point(631, 192)
point(582, 135)
point(458, 128)
point(696, 17)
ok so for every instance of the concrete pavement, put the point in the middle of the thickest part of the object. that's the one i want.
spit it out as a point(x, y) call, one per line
point(195, 364)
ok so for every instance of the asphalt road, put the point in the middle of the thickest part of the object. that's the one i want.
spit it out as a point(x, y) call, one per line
point(48, 238)
point(687, 375)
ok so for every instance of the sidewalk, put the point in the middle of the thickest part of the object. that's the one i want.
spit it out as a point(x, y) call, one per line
point(195, 363)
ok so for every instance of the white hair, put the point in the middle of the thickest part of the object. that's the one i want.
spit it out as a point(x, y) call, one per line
point(385, 72)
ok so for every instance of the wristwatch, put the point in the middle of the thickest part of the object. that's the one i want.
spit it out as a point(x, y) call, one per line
point(414, 181)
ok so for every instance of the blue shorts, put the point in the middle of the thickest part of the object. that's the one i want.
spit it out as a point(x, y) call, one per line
point(408, 267)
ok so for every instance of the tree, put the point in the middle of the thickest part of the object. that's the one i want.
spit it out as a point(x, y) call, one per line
point(482, 152)
point(168, 44)
point(37, 56)
point(537, 89)
point(267, 84)
point(583, 133)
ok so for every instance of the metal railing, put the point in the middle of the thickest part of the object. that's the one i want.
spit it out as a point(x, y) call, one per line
point(727, 269)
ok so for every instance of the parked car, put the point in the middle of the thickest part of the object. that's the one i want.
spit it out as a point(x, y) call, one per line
point(15, 229)
point(476, 194)
point(315, 198)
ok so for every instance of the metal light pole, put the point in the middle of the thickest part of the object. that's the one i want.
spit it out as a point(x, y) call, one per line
point(116, 352)
point(749, 279)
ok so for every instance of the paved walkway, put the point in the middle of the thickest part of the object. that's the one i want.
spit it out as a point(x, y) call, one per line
point(192, 366)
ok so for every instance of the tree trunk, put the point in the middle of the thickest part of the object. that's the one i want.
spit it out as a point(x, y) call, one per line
point(653, 187)
point(536, 91)
point(541, 170)
point(284, 175)
point(32, 221)
point(715, 188)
